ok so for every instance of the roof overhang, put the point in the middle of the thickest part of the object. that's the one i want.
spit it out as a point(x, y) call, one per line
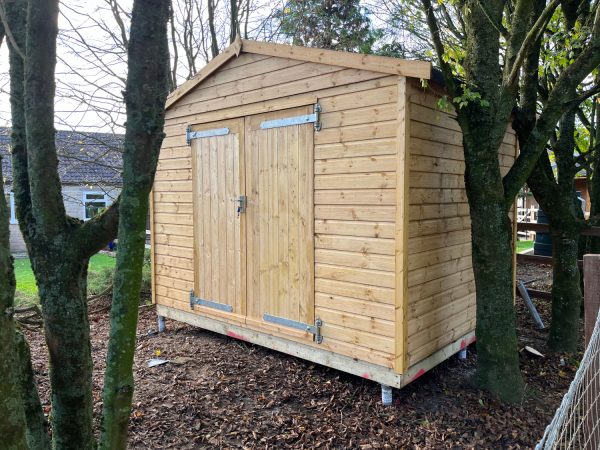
point(383, 64)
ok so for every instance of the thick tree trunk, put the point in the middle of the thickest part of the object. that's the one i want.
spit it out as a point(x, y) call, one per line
point(12, 413)
point(497, 356)
point(146, 93)
point(492, 234)
point(566, 293)
point(63, 297)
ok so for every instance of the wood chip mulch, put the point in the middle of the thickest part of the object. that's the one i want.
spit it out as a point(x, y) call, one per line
point(219, 393)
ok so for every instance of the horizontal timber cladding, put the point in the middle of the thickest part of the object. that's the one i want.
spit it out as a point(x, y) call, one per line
point(353, 199)
point(441, 287)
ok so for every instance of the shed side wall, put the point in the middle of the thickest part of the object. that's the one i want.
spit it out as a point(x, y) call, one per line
point(354, 196)
point(441, 287)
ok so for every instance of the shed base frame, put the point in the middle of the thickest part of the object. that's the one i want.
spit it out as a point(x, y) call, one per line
point(363, 369)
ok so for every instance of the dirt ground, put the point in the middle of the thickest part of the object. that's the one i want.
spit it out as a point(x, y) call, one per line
point(219, 393)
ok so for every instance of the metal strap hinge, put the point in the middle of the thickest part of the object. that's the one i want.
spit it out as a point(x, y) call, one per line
point(208, 303)
point(189, 134)
point(313, 329)
point(315, 118)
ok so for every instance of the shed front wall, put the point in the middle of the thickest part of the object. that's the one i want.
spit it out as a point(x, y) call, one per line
point(354, 194)
point(441, 286)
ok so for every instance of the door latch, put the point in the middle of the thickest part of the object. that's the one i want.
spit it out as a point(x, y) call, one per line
point(242, 202)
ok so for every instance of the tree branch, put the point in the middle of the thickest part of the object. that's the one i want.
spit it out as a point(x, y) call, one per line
point(97, 232)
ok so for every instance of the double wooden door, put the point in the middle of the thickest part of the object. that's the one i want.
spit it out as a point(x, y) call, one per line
point(253, 217)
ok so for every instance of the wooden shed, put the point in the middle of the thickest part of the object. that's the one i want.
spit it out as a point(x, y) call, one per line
point(313, 202)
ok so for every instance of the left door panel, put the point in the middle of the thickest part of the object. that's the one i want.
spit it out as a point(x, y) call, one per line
point(218, 219)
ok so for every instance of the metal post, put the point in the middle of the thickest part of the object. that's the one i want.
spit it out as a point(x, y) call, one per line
point(534, 313)
point(386, 395)
point(161, 324)
point(462, 354)
point(591, 303)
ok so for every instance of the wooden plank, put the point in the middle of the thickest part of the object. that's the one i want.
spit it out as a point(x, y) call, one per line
point(175, 230)
point(282, 209)
point(418, 307)
point(174, 272)
point(176, 219)
point(170, 164)
point(368, 97)
point(354, 228)
point(427, 212)
point(181, 263)
point(365, 245)
point(356, 322)
point(437, 196)
point(306, 224)
point(393, 66)
point(353, 305)
point(448, 337)
point(375, 180)
point(173, 175)
point(358, 213)
point(355, 259)
point(169, 197)
point(358, 116)
point(162, 187)
point(421, 163)
point(355, 197)
point(355, 290)
point(424, 243)
point(152, 242)
point(204, 215)
point(357, 275)
point(438, 285)
point(435, 316)
point(367, 148)
point(355, 165)
point(367, 340)
point(438, 255)
point(436, 226)
point(374, 130)
point(174, 208)
point(433, 272)
point(402, 224)
point(295, 239)
point(171, 250)
point(170, 239)
point(436, 180)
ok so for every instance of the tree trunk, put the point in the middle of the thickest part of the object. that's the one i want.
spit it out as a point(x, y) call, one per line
point(497, 356)
point(37, 426)
point(12, 413)
point(146, 93)
point(63, 295)
point(566, 293)
point(492, 234)
point(214, 45)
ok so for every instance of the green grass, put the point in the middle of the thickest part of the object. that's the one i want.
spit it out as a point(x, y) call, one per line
point(524, 245)
point(27, 289)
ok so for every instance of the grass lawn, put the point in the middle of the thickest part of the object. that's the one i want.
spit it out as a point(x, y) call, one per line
point(524, 245)
point(26, 287)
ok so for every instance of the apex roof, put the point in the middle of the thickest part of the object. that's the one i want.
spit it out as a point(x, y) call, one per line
point(383, 64)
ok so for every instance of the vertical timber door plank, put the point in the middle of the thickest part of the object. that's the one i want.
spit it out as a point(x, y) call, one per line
point(240, 230)
point(223, 269)
point(214, 217)
point(294, 235)
point(197, 216)
point(231, 221)
point(282, 190)
point(207, 219)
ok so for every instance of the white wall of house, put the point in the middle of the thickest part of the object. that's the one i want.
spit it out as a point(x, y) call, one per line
point(74, 197)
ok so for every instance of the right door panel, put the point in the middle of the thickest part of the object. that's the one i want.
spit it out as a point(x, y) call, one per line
point(280, 238)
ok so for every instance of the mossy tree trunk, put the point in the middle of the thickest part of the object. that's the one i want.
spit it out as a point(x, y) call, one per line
point(145, 96)
point(494, 41)
point(12, 414)
point(59, 246)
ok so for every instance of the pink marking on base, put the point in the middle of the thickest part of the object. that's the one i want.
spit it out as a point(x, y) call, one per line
point(463, 344)
point(473, 339)
point(366, 376)
point(417, 375)
point(236, 336)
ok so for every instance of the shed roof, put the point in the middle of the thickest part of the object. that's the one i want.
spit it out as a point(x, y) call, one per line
point(83, 158)
point(383, 64)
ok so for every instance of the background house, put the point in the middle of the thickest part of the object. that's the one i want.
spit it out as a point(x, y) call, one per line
point(89, 168)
